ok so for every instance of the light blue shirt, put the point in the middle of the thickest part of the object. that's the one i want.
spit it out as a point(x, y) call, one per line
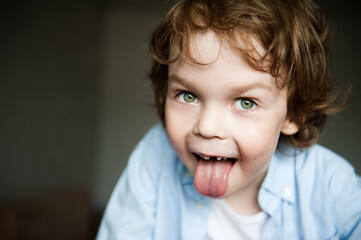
point(309, 194)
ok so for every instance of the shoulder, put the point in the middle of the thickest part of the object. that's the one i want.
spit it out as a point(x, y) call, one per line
point(323, 166)
point(318, 187)
point(152, 149)
point(152, 154)
point(130, 213)
point(155, 140)
point(139, 182)
point(323, 155)
point(330, 182)
point(321, 160)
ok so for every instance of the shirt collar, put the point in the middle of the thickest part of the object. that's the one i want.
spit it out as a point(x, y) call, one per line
point(280, 178)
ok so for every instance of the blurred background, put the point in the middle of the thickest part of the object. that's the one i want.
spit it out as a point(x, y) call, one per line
point(75, 100)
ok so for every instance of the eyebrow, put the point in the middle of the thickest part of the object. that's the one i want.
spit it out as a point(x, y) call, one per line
point(238, 89)
point(255, 85)
point(175, 78)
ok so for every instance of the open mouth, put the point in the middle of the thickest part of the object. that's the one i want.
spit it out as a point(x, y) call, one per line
point(211, 174)
point(214, 158)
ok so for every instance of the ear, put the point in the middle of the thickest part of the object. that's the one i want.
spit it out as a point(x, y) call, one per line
point(289, 127)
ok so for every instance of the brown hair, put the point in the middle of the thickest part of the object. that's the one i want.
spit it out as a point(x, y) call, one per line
point(292, 33)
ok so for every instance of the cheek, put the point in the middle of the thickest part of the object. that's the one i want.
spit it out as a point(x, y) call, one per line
point(175, 127)
point(258, 134)
point(178, 117)
point(171, 122)
point(258, 143)
point(178, 126)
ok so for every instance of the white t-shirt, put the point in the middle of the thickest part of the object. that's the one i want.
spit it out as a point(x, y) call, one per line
point(224, 223)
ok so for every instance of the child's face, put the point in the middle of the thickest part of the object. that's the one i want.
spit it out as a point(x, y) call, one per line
point(225, 109)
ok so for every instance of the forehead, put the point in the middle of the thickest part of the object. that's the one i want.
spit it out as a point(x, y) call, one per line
point(204, 48)
point(242, 52)
point(212, 61)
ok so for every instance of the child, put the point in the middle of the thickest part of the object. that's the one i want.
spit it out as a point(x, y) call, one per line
point(242, 91)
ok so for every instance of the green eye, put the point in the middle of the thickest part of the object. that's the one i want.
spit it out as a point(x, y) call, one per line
point(245, 104)
point(187, 97)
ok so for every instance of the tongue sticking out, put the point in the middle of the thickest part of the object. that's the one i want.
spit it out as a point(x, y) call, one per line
point(211, 177)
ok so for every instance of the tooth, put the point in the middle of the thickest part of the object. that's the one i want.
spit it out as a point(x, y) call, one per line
point(224, 158)
point(219, 158)
point(206, 158)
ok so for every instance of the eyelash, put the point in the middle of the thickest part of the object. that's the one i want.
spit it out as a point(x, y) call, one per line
point(180, 96)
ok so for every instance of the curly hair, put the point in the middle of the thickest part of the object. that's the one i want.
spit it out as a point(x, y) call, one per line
point(293, 34)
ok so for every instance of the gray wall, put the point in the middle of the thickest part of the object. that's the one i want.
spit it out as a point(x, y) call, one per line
point(49, 93)
point(74, 95)
point(125, 92)
point(343, 131)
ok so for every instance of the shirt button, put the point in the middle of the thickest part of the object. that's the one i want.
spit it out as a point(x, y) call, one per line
point(200, 206)
point(287, 191)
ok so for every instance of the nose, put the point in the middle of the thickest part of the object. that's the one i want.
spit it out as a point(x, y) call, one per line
point(210, 123)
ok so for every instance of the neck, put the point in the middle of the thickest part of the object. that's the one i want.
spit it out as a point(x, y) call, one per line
point(245, 202)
